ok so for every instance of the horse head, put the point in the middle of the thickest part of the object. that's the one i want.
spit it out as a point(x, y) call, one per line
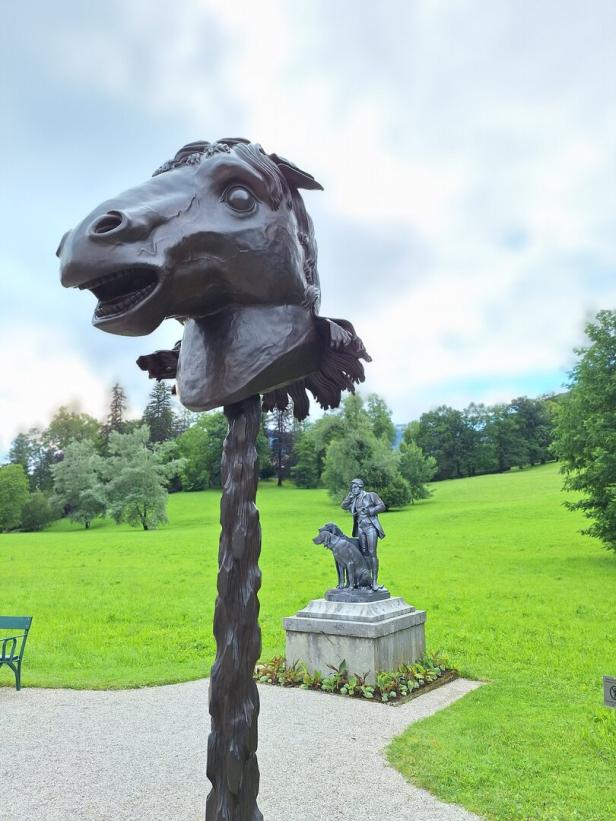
point(219, 239)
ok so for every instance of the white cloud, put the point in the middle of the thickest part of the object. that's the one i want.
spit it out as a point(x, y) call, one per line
point(483, 131)
point(43, 373)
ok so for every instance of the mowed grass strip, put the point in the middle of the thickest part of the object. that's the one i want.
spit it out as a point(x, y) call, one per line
point(515, 596)
point(528, 604)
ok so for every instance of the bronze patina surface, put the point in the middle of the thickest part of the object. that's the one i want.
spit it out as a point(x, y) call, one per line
point(220, 240)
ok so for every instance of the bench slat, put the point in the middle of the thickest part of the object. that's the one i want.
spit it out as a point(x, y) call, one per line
point(15, 622)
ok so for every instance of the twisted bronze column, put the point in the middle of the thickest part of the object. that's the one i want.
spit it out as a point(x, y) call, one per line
point(234, 700)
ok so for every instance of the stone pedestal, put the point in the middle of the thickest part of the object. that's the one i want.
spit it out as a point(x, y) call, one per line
point(370, 636)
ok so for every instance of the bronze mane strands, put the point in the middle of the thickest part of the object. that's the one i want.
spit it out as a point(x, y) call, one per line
point(219, 238)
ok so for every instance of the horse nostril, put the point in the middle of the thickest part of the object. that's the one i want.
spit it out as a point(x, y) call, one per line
point(108, 223)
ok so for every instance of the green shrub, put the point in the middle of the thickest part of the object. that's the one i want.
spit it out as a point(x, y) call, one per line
point(37, 512)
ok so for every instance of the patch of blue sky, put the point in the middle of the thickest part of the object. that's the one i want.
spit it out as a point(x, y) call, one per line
point(515, 239)
point(527, 384)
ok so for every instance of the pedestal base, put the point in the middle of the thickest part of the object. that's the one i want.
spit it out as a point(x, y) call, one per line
point(361, 594)
point(369, 636)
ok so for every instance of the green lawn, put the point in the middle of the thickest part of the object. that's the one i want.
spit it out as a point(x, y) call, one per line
point(514, 595)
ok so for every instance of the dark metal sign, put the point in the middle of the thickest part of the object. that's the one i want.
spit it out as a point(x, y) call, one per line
point(609, 691)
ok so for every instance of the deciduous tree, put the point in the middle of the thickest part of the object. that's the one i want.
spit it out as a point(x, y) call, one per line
point(137, 479)
point(306, 472)
point(416, 467)
point(358, 452)
point(13, 495)
point(70, 425)
point(380, 418)
point(534, 423)
point(78, 482)
point(506, 439)
point(442, 434)
point(193, 447)
point(585, 439)
point(478, 454)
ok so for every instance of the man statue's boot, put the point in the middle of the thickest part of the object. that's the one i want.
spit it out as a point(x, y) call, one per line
point(375, 573)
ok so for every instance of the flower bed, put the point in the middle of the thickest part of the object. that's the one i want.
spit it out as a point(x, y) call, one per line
point(394, 686)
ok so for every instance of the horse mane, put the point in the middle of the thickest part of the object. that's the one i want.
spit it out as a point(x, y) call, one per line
point(340, 370)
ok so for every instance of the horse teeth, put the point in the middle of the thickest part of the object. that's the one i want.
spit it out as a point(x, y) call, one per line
point(121, 304)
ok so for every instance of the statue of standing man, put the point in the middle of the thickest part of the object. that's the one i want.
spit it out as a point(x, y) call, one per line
point(365, 506)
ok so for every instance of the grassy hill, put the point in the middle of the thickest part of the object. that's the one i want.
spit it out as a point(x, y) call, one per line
point(515, 596)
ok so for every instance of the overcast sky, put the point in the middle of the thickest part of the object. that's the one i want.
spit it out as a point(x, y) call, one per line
point(467, 151)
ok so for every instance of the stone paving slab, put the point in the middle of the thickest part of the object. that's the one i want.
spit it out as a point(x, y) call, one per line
point(83, 755)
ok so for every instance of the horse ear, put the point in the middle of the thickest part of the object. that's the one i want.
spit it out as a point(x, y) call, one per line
point(294, 175)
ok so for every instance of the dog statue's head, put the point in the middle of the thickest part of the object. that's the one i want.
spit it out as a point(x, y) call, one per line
point(326, 534)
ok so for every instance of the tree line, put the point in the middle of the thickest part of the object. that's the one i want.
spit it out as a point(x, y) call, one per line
point(444, 443)
point(487, 439)
point(182, 451)
point(82, 468)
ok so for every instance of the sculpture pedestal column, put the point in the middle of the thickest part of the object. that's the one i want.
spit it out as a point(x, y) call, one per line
point(370, 636)
point(234, 700)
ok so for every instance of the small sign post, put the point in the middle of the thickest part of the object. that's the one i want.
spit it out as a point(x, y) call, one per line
point(609, 691)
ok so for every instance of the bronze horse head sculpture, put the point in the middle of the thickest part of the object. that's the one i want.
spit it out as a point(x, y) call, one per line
point(219, 238)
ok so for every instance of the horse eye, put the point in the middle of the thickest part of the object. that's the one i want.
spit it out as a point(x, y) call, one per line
point(239, 198)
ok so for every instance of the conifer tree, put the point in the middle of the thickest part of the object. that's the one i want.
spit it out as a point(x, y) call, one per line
point(116, 417)
point(158, 414)
point(117, 409)
point(281, 432)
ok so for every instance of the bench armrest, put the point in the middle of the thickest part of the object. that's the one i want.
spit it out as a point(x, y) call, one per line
point(5, 643)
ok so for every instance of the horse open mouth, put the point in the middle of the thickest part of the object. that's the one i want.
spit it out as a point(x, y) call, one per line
point(122, 290)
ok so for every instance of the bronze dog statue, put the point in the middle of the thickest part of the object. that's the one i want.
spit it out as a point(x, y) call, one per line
point(351, 565)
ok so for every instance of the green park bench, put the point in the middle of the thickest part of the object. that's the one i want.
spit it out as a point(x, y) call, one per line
point(12, 647)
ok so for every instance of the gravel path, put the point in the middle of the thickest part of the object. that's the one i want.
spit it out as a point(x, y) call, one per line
point(139, 755)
